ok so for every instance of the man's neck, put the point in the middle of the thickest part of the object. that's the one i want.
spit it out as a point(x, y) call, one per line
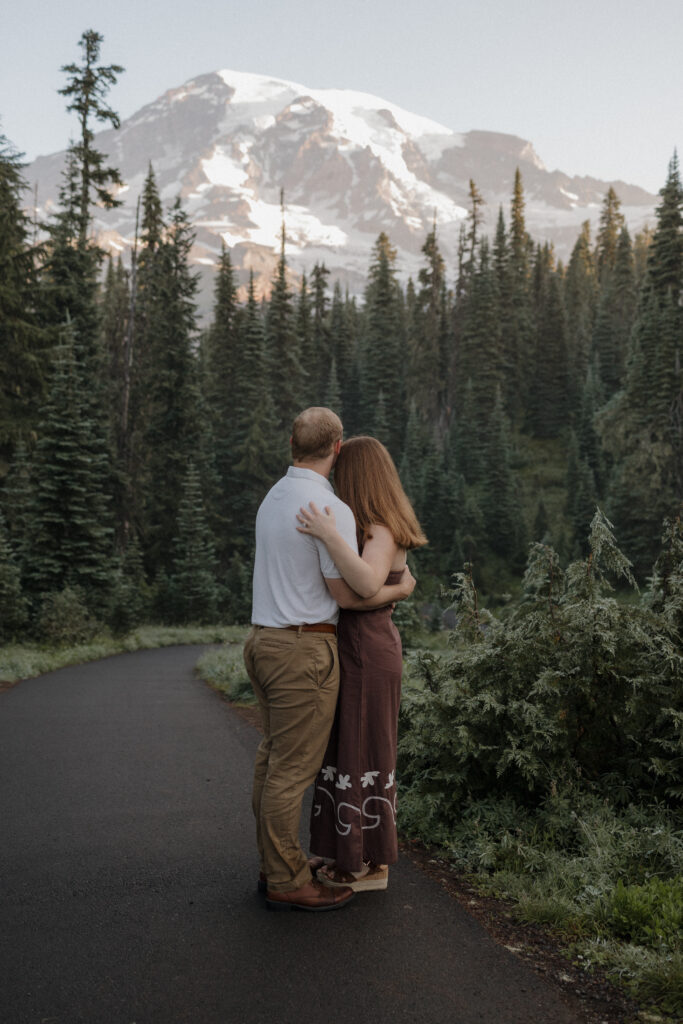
point(321, 466)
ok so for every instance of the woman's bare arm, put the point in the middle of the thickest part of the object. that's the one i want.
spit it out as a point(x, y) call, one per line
point(388, 594)
point(364, 575)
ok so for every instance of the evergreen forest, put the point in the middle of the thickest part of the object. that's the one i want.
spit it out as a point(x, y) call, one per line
point(515, 393)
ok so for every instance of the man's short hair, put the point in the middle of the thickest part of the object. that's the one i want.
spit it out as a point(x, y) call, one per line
point(314, 434)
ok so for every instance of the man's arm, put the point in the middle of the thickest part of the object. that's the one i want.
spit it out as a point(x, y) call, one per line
point(348, 598)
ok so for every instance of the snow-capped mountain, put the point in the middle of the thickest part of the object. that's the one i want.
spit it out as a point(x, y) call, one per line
point(351, 165)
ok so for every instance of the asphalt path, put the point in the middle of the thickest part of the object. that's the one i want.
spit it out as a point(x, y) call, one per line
point(128, 879)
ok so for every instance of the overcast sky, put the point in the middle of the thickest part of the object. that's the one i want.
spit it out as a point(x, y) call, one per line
point(595, 85)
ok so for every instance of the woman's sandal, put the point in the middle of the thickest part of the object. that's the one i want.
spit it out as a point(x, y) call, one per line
point(371, 877)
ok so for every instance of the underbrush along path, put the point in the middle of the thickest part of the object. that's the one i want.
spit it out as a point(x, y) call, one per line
point(129, 879)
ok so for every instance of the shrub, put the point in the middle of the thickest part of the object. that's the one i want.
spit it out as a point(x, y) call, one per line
point(650, 914)
point(573, 686)
point(64, 619)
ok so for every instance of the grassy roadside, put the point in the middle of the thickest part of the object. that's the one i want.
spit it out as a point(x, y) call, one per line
point(25, 661)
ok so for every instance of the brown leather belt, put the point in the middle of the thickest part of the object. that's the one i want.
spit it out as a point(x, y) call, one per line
point(315, 627)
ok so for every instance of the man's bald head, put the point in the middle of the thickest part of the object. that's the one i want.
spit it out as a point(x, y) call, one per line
point(315, 433)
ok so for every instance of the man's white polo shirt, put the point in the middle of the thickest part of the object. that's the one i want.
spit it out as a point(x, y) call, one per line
point(290, 568)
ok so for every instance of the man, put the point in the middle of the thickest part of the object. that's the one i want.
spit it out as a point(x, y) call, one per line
point(291, 658)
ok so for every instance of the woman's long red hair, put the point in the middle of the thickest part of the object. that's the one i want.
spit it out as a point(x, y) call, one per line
point(365, 477)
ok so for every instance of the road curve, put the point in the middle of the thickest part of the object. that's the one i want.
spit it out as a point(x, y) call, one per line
point(128, 879)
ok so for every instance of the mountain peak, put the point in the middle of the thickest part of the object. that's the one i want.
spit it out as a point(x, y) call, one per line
point(351, 164)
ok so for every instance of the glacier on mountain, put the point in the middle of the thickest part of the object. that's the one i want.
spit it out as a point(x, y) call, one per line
point(351, 165)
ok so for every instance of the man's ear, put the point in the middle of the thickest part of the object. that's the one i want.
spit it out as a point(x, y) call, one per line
point(337, 446)
point(290, 441)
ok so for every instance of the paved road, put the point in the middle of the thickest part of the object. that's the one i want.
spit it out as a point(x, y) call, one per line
point(127, 877)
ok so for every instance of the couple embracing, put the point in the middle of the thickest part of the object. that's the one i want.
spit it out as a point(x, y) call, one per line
point(328, 684)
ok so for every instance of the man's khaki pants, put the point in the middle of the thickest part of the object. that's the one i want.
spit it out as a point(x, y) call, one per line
point(295, 676)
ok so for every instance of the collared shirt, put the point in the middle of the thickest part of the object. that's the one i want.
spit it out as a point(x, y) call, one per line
point(290, 568)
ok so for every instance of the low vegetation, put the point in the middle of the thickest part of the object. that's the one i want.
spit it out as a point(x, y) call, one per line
point(544, 754)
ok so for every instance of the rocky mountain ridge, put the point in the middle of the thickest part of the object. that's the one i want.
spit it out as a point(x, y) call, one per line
point(351, 165)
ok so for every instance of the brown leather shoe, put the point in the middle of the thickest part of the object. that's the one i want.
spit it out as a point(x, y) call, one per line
point(312, 896)
point(314, 864)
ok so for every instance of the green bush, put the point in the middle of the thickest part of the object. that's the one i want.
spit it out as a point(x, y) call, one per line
point(650, 914)
point(572, 686)
point(64, 619)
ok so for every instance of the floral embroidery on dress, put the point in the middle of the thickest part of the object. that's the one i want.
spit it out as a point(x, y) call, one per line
point(391, 781)
point(329, 773)
point(344, 782)
point(368, 779)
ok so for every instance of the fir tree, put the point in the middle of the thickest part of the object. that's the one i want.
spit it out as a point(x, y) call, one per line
point(479, 359)
point(517, 314)
point(343, 352)
point(17, 501)
point(549, 399)
point(615, 316)
point(167, 400)
point(193, 579)
point(286, 372)
point(310, 392)
point(502, 516)
point(429, 343)
point(579, 299)
point(71, 534)
point(611, 224)
point(322, 353)
point(333, 399)
point(13, 605)
point(381, 356)
point(665, 255)
point(21, 360)
point(239, 589)
point(87, 86)
point(223, 353)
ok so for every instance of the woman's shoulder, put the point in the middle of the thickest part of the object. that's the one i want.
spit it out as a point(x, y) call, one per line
point(382, 536)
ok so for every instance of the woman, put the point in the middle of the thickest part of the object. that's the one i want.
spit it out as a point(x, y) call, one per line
point(353, 821)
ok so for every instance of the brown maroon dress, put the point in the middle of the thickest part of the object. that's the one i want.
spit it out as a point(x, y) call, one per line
point(353, 817)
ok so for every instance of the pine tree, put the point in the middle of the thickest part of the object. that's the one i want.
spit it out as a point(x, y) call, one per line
point(87, 86)
point(382, 346)
point(21, 361)
point(239, 590)
point(310, 392)
point(333, 399)
point(222, 356)
point(193, 579)
point(410, 468)
point(343, 352)
point(642, 428)
point(502, 514)
point(429, 342)
point(665, 256)
point(475, 217)
point(13, 605)
point(260, 456)
point(579, 300)
point(549, 397)
point(469, 439)
point(17, 501)
point(519, 331)
point(167, 387)
point(479, 362)
point(71, 533)
point(114, 317)
point(615, 316)
point(322, 353)
point(286, 371)
point(611, 224)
